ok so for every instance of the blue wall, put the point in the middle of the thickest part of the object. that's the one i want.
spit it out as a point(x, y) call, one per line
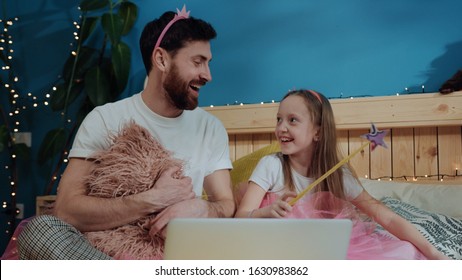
point(263, 48)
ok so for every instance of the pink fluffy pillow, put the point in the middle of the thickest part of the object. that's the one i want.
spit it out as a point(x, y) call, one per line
point(131, 165)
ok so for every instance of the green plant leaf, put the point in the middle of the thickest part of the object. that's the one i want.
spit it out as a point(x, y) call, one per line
point(121, 56)
point(87, 57)
point(4, 137)
point(112, 25)
point(52, 144)
point(59, 96)
point(128, 12)
point(21, 151)
point(91, 5)
point(97, 86)
point(88, 27)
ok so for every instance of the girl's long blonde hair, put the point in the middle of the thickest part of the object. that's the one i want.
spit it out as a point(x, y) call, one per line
point(326, 153)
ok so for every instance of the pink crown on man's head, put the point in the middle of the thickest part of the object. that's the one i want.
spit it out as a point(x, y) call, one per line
point(183, 14)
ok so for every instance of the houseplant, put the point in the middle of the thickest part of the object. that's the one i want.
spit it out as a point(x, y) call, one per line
point(95, 73)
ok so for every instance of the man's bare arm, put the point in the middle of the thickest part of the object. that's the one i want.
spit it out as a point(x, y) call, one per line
point(88, 213)
point(219, 192)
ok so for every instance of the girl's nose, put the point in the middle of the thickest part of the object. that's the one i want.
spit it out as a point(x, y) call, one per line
point(281, 127)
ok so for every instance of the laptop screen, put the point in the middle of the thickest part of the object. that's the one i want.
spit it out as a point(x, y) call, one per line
point(257, 239)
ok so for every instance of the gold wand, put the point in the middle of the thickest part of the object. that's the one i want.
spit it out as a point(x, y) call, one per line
point(320, 179)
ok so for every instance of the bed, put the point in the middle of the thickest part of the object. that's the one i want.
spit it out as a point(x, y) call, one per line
point(419, 175)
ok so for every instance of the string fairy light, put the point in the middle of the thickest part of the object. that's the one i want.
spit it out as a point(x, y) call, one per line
point(19, 103)
point(407, 91)
point(415, 178)
point(12, 123)
point(6, 49)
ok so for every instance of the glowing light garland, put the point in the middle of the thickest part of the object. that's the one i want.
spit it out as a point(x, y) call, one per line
point(9, 84)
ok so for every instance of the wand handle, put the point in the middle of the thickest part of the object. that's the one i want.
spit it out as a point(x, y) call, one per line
point(320, 179)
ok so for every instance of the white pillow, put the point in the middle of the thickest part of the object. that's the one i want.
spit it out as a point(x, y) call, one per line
point(437, 198)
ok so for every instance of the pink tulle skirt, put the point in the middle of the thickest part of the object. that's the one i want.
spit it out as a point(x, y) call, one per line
point(367, 241)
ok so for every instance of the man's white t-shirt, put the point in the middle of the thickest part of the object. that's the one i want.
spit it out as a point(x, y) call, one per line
point(196, 137)
point(269, 175)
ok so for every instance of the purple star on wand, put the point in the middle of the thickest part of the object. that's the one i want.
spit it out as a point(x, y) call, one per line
point(376, 136)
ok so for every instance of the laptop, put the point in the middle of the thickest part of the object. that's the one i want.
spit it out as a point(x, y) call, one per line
point(257, 239)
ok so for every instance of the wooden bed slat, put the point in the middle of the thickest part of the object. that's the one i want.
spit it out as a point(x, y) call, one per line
point(426, 151)
point(403, 152)
point(449, 150)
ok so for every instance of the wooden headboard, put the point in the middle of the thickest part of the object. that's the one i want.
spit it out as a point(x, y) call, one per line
point(425, 138)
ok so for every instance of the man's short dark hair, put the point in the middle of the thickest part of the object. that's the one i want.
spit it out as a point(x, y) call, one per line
point(181, 32)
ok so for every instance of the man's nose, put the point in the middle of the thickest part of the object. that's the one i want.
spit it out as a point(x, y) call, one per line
point(206, 74)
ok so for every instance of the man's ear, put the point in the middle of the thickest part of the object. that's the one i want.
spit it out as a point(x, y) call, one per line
point(159, 58)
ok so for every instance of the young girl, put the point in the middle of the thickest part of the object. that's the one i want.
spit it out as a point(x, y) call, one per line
point(307, 136)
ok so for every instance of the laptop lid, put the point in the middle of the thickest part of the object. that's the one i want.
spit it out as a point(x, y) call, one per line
point(257, 239)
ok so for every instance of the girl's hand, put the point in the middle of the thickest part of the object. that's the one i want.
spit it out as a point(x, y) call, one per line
point(434, 254)
point(280, 208)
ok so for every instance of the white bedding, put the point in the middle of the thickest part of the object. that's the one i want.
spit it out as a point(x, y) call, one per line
point(443, 199)
point(435, 210)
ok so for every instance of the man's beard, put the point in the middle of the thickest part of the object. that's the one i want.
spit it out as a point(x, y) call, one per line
point(177, 91)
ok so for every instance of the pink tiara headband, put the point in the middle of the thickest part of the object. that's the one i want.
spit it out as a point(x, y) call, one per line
point(315, 95)
point(183, 14)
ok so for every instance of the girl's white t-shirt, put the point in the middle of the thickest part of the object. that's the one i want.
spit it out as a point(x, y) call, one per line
point(268, 174)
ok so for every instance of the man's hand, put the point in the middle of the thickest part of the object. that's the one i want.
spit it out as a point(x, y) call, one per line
point(193, 208)
point(168, 190)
